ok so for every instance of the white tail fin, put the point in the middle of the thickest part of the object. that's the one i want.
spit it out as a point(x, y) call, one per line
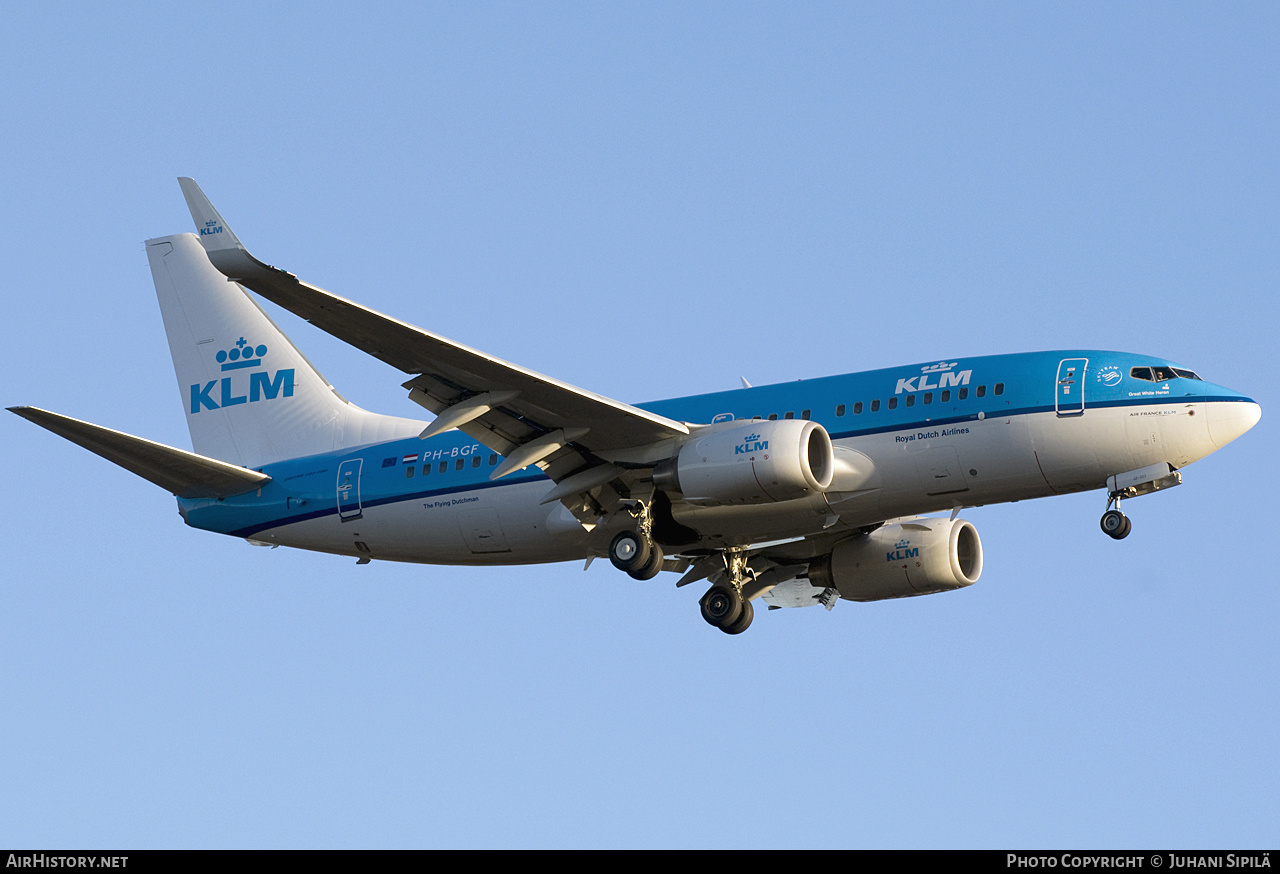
point(250, 396)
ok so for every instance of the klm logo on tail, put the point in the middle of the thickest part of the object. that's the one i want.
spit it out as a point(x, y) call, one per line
point(263, 385)
point(210, 227)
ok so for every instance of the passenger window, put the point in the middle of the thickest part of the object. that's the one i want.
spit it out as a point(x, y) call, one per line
point(426, 470)
point(911, 400)
point(999, 388)
point(804, 414)
point(789, 415)
point(840, 411)
point(875, 405)
point(964, 393)
point(928, 397)
point(493, 459)
point(475, 461)
point(857, 408)
point(893, 403)
point(982, 391)
point(457, 465)
point(408, 471)
point(946, 396)
point(444, 466)
point(773, 417)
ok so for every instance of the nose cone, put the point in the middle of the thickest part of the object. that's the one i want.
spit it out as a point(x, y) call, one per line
point(1229, 419)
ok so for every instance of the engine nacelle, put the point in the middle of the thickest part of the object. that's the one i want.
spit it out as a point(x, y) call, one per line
point(753, 462)
point(903, 559)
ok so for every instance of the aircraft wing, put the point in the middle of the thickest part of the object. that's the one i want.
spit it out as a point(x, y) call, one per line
point(526, 416)
point(183, 473)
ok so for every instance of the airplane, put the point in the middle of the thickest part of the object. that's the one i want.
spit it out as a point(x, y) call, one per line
point(791, 495)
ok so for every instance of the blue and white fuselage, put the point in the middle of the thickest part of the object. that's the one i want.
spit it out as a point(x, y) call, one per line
point(799, 493)
point(928, 437)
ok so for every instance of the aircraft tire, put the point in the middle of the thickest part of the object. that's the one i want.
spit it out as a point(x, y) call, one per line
point(743, 622)
point(1115, 524)
point(721, 606)
point(629, 551)
point(650, 569)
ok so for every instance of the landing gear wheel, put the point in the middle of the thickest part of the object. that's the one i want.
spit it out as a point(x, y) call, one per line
point(743, 621)
point(721, 606)
point(1116, 525)
point(650, 569)
point(629, 551)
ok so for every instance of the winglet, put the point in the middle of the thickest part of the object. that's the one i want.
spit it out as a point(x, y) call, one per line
point(213, 230)
point(221, 244)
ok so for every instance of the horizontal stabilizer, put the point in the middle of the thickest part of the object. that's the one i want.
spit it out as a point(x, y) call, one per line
point(183, 473)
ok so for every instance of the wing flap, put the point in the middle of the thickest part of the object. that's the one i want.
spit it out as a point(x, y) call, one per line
point(185, 474)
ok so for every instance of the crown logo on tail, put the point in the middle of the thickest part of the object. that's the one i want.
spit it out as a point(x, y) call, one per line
point(241, 355)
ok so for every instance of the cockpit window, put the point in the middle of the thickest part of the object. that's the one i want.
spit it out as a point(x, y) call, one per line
point(1161, 374)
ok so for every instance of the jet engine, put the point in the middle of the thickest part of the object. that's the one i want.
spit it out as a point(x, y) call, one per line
point(899, 560)
point(753, 462)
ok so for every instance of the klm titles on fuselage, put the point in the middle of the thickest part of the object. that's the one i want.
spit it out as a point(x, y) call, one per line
point(929, 435)
point(263, 385)
point(945, 378)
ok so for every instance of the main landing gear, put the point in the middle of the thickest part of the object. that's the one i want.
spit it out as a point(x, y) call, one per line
point(1115, 524)
point(635, 552)
point(724, 605)
point(636, 555)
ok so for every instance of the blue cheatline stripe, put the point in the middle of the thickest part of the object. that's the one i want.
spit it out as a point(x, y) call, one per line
point(378, 502)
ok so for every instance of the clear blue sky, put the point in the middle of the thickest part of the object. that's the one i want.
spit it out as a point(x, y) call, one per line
point(646, 200)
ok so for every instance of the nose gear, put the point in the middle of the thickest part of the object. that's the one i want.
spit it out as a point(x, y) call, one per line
point(1114, 523)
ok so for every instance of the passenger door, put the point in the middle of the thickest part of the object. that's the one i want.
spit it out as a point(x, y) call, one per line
point(349, 489)
point(1069, 397)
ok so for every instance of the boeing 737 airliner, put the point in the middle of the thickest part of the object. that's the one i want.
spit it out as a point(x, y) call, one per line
point(795, 494)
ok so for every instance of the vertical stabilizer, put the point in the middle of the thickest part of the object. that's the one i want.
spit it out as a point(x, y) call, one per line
point(250, 396)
